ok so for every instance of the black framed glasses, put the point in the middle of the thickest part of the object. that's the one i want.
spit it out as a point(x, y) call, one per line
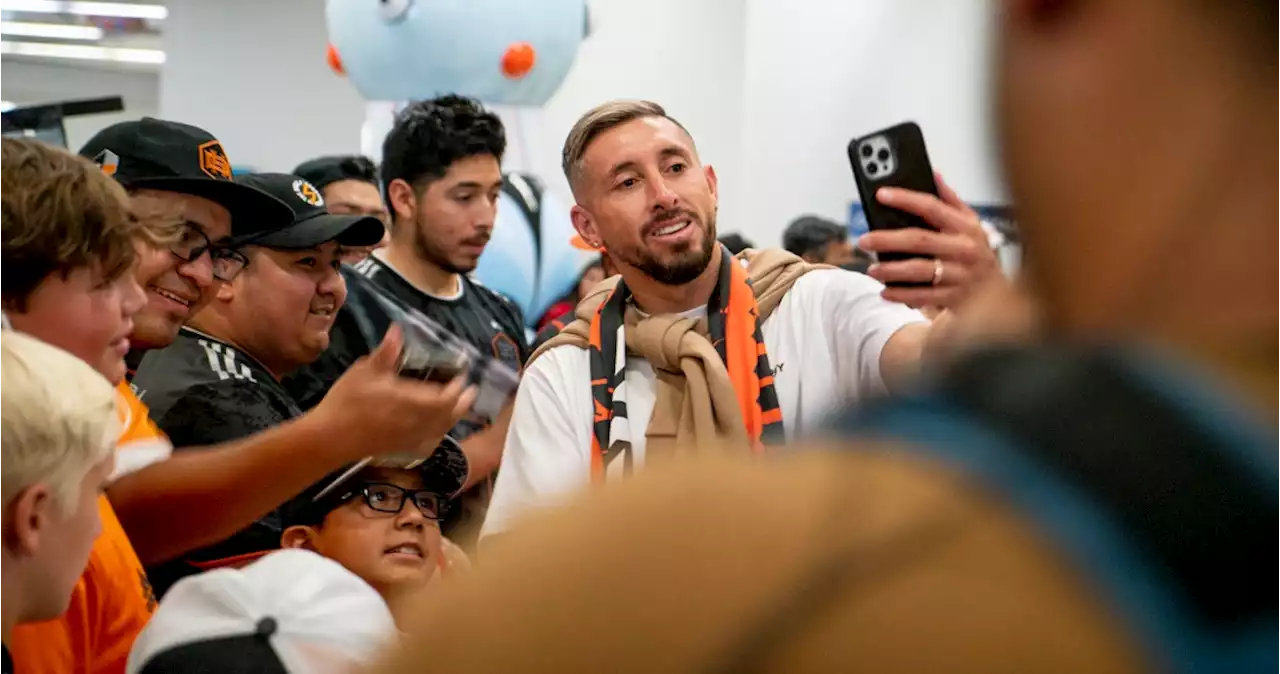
point(227, 262)
point(388, 498)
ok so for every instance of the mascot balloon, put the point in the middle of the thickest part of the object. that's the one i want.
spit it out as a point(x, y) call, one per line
point(512, 55)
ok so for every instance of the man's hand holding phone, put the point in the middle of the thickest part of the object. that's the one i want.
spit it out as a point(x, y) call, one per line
point(961, 257)
point(372, 410)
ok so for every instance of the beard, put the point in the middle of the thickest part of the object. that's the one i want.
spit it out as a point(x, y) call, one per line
point(683, 267)
point(436, 254)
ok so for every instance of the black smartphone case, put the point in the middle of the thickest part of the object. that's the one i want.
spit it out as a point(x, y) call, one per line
point(914, 172)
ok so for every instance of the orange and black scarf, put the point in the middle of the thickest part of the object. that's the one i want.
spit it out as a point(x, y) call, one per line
point(733, 326)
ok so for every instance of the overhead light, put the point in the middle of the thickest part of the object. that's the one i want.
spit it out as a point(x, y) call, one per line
point(123, 10)
point(82, 52)
point(57, 31)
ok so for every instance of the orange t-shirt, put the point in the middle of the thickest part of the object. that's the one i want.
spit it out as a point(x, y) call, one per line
point(112, 601)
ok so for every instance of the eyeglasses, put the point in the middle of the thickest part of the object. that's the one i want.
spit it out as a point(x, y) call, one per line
point(227, 262)
point(388, 498)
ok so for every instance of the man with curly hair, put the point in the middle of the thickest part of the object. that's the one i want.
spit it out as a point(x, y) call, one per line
point(441, 175)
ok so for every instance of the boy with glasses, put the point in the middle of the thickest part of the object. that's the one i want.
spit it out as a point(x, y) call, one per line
point(381, 522)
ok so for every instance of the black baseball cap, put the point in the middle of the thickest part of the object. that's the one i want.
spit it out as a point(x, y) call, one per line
point(312, 224)
point(158, 154)
point(444, 473)
point(324, 171)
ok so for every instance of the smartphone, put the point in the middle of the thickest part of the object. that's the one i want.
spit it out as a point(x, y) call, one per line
point(426, 366)
point(892, 157)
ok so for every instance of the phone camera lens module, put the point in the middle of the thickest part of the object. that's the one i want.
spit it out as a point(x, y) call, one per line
point(883, 155)
point(872, 168)
point(866, 150)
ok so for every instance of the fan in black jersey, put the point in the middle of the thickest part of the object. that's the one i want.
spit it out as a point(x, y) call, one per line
point(220, 379)
point(441, 173)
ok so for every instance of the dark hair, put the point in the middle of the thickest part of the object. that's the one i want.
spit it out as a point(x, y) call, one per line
point(810, 235)
point(429, 136)
point(324, 171)
point(736, 243)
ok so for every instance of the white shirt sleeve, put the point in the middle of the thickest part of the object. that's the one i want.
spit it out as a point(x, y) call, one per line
point(547, 455)
point(862, 322)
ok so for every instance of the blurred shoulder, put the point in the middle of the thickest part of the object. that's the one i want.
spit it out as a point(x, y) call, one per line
point(753, 540)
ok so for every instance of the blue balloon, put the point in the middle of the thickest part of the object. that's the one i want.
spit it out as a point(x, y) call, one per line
point(532, 263)
point(397, 50)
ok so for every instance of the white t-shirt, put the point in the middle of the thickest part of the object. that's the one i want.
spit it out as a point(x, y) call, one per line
point(824, 342)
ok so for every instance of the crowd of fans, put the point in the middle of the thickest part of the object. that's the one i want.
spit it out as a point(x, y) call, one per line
point(216, 456)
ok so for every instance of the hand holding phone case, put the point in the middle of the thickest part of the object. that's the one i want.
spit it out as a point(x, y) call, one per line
point(893, 157)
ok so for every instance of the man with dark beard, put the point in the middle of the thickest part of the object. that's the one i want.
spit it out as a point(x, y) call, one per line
point(717, 350)
point(441, 175)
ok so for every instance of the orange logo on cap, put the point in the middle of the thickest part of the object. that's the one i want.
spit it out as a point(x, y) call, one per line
point(108, 161)
point(214, 162)
point(307, 192)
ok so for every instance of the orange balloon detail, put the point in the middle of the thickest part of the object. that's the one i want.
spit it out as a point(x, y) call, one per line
point(335, 61)
point(518, 60)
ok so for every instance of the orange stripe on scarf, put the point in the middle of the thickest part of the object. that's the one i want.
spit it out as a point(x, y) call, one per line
point(742, 351)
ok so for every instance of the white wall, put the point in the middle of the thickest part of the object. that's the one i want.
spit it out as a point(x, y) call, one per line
point(819, 72)
point(34, 83)
point(771, 89)
point(254, 74)
point(683, 54)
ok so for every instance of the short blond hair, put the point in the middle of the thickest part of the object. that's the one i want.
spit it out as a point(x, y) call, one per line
point(58, 419)
point(596, 121)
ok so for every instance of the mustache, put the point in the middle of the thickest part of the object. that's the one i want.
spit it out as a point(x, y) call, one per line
point(480, 240)
point(665, 218)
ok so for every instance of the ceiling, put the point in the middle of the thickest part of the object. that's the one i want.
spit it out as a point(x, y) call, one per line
point(110, 35)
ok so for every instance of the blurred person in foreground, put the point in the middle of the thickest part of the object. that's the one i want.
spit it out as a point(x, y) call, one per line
point(690, 346)
point(1060, 506)
point(348, 185)
point(291, 612)
point(59, 432)
point(441, 173)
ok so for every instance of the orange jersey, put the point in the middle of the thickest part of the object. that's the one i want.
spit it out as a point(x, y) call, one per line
point(112, 601)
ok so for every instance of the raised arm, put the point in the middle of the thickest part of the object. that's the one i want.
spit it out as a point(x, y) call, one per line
point(203, 495)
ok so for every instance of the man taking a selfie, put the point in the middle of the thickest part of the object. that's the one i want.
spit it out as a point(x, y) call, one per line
point(693, 347)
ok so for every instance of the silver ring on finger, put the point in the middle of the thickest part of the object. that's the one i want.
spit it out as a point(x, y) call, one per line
point(937, 272)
